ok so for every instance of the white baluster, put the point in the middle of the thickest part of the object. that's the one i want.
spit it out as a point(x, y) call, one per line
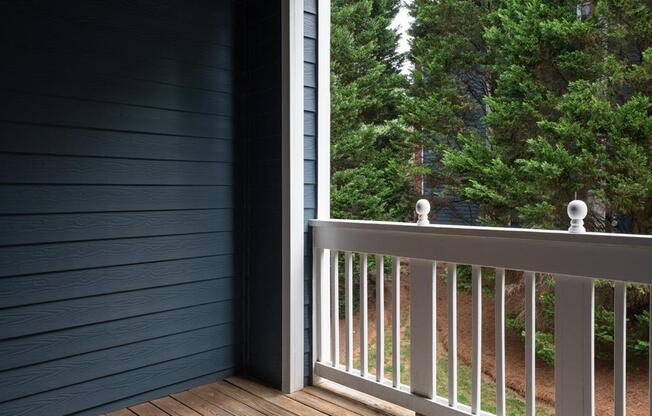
point(574, 334)
point(452, 334)
point(620, 348)
point(396, 321)
point(348, 303)
point(335, 309)
point(530, 345)
point(380, 319)
point(500, 342)
point(318, 259)
point(476, 362)
point(364, 331)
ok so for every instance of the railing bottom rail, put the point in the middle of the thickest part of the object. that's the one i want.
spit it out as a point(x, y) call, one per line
point(384, 390)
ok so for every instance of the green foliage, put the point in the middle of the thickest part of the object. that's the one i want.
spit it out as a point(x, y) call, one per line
point(544, 341)
point(637, 325)
point(523, 104)
point(526, 104)
point(639, 342)
point(637, 332)
point(464, 278)
point(545, 346)
point(372, 156)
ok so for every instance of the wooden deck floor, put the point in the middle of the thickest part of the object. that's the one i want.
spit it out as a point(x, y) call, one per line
point(239, 396)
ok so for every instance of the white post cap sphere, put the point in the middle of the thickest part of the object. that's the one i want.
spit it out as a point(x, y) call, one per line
point(423, 207)
point(577, 209)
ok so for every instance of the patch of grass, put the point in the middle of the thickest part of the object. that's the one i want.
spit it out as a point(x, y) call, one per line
point(514, 402)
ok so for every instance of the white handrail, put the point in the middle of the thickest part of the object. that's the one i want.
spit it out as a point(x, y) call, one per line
point(593, 255)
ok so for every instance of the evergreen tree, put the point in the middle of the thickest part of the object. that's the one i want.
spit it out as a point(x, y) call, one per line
point(373, 168)
point(564, 107)
point(449, 82)
point(449, 56)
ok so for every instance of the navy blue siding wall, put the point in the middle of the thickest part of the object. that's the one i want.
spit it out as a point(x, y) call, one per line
point(262, 206)
point(310, 160)
point(117, 274)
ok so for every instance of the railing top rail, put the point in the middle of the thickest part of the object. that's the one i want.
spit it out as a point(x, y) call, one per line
point(596, 255)
point(489, 232)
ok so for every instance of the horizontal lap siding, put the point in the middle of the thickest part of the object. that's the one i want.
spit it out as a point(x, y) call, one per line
point(309, 164)
point(117, 276)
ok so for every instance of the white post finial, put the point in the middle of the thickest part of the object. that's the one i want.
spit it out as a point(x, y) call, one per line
point(577, 211)
point(422, 209)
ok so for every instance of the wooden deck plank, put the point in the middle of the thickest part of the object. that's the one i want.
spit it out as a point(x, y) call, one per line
point(365, 399)
point(262, 405)
point(227, 403)
point(174, 407)
point(238, 396)
point(147, 409)
point(121, 412)
point(200, 405)
point(344, 402)
point(321, 405)
point(274, 396)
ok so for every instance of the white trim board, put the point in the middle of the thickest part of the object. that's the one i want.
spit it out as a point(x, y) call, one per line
point(323, 110)
point(292, 194)
point(323, 163)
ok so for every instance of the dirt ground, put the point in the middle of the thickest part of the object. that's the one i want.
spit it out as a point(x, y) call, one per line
point(637, 376)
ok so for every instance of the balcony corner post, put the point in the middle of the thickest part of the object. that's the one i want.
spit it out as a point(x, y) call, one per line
point(574, 334)
point(422, 317)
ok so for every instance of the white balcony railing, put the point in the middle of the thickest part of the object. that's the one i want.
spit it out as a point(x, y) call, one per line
point(574, 258)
